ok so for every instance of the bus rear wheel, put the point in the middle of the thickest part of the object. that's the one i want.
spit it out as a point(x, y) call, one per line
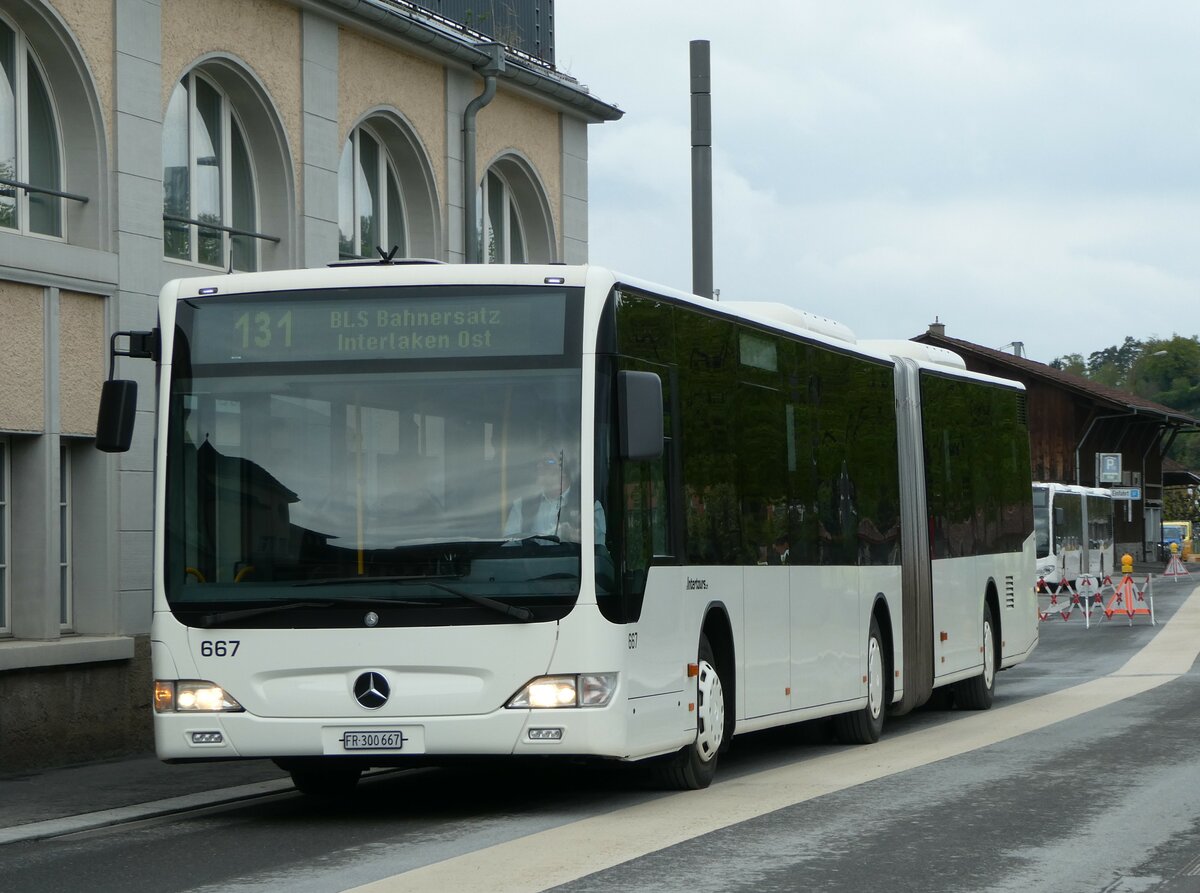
point(978, 692)
point(866, 725)
point(694, 766)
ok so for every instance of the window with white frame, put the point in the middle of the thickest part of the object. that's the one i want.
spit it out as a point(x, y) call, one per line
point(66, 605)
point(370, 204)
point(5, 515)
point(30, 153)
point(210, 209)
point(499, 222)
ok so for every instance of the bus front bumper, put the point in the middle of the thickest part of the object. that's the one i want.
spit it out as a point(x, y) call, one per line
point(572, 731)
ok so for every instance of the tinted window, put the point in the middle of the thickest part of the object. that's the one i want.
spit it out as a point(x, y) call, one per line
point(788, 450)
point(977, 475)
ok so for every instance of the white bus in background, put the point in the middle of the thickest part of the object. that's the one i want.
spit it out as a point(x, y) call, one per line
point(1074, 527)
point(755, 520)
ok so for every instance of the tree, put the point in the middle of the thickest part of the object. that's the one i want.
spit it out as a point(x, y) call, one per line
point(1111, 366)
point(1165, 370)
point(1181, 504)
point(1168, 372)
point(1072, 362)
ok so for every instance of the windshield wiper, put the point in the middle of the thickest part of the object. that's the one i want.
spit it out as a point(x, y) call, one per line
point(502, 607)
point(482, 600)
point(221, 617)
point(342, 581)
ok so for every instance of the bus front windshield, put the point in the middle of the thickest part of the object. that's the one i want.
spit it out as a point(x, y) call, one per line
point(448, 487)
point(1041, 521)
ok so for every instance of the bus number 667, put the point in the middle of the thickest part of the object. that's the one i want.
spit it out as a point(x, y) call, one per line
point(219, 647)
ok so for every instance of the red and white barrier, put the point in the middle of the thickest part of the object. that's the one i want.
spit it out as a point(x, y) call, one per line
point(1090, 595)
point(1175, 568)
point(1062, 601)
point(1087, 595)
point(1131, 601)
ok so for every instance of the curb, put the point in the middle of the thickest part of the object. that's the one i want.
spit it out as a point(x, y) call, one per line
point(90, 821)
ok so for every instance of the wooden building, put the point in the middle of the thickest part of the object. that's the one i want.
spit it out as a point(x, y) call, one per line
point(1073, 420)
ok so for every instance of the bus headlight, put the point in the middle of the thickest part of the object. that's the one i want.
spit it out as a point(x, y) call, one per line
point(193, 696)
point(583, 690)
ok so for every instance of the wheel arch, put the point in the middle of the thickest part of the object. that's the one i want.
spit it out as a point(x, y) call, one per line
point(718, 629)
point(991, 598)
point(883, 618)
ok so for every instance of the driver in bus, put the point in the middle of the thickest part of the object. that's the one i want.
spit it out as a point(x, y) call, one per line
point(553, 511)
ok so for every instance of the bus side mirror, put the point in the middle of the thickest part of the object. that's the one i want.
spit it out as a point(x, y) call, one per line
point(118, 398)
point(639, 395)
point(118, 407)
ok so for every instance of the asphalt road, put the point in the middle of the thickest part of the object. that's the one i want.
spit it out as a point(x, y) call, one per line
point(1084, 776)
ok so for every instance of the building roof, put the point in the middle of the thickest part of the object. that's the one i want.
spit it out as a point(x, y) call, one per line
point(449, 39)
point(1175, 475)
point(1023, 367)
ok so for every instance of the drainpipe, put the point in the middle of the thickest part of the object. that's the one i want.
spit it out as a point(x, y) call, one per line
point(489, 70)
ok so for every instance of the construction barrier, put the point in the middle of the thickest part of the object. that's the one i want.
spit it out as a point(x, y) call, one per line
point(1064, 600)
point(1175, 567)
point(1081, 597)
point(1087, 596)
point(1127, 599)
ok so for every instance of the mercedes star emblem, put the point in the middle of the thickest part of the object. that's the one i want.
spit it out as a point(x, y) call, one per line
point(371, 690)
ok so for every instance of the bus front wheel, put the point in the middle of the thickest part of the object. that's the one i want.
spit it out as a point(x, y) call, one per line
point(319, 779)
point(694, 766)
point(978, 692)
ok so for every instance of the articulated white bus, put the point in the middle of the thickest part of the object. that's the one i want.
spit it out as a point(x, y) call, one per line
point(413, 512)
point(1074, 530)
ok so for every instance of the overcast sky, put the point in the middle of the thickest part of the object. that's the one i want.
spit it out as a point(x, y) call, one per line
point(1023, 171)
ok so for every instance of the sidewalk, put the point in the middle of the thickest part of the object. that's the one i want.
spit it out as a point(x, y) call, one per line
point(77, 798)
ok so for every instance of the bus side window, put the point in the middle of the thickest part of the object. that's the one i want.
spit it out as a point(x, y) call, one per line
point(646, 531)
point(645, 505)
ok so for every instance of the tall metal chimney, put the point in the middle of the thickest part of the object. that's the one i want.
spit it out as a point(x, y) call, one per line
point(702, 238)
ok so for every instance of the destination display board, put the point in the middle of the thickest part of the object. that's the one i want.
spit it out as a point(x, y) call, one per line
point(373, 325)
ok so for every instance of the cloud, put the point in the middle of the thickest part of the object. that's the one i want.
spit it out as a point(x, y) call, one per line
point(1024, 171)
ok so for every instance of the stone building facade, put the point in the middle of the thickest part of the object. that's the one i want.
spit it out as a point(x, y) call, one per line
point(147, 140)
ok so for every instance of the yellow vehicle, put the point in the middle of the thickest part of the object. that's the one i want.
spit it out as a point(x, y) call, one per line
point(1178, 532)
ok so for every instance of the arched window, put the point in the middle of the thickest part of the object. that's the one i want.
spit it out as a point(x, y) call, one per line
point(210, 207)
point(513, 217)
point(499, 222)
point(30, 153)
point(371, 212)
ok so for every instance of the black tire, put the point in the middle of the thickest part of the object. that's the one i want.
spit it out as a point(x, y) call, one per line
point(864, 726)
point(694, 766)
point(940, 699)
point(978, 692)
point(325, 781)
